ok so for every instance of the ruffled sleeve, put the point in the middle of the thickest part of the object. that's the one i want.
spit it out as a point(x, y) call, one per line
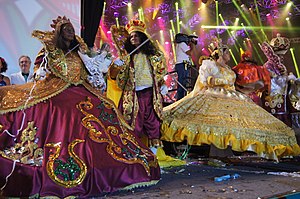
point(208, 73)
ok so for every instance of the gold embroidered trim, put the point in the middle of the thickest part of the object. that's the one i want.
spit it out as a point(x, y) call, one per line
point(109, 134)
point(26, 150)
point(55, 155)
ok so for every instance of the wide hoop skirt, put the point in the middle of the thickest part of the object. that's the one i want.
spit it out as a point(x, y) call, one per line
point(228, 118)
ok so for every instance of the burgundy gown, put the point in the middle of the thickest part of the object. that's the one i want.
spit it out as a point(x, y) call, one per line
point(60, 137)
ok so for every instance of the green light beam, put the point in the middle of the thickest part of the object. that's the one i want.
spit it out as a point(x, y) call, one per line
point(230, 35)
point(245, 18)
point(250, 27)
point(295, 62)
point(177, 17)
point(257, 13)
point(217, 16)
point(232, 55)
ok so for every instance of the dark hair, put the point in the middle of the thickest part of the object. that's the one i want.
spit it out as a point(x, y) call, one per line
point(59, 41)
point(216, 55)
point(4, 65)
point(148, 48)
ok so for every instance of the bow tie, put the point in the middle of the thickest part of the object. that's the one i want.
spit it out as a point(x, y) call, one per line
point(25, 74)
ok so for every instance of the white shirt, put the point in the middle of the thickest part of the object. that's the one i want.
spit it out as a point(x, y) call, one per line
point(18, 78)
point(181, 50)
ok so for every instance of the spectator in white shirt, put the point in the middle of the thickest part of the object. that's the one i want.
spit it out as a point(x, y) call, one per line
point(24, 75)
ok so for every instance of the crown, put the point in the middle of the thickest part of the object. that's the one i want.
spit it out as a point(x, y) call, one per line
point(135, 25)
point(215, 47)
point(280, 44)
point(59, 21)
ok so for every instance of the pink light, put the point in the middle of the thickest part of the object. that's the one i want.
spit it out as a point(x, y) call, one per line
point(158, 17)
point(268, 14)
point(167, 42)
point(203, 49)
point(108, 32)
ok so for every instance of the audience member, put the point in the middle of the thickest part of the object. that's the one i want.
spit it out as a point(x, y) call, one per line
point(4, 80)
point(24, 75)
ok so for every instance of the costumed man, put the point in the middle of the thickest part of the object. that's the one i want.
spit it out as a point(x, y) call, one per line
point(184, 47)
point(139, 82)
point(141, 79)
point(276, 101)
point(251, 78)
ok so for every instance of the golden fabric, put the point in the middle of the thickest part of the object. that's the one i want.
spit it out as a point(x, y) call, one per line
point(165, 161)
point(16, 97)
point(126, 83)
point(223, 117)
point(125, 79)
point(114, 92)
point(142, 70)
point(66, 70)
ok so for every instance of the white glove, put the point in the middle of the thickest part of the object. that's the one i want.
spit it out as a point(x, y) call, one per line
point(40, 74)
point(164, 89)
point(119, 62)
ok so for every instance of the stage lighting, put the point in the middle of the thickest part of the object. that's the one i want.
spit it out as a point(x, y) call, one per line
point(116, 14)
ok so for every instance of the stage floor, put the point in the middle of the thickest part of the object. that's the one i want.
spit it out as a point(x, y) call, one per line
point(258, 178)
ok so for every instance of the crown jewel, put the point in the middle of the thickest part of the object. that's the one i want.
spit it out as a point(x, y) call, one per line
point(135, 25)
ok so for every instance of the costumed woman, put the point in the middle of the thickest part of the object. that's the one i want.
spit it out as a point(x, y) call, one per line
point(251, 79)
point(60, 137)
point(214, 113)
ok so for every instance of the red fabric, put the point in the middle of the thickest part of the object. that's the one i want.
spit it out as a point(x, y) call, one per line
point(248, 72)
point(58, 120)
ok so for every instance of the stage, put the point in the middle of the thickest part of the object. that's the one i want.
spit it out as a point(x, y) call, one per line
point(257, 178)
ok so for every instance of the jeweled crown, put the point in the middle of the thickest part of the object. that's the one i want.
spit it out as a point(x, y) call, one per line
point(59, 21)
point(135, 25)
point(215, 46)
point(280, 44)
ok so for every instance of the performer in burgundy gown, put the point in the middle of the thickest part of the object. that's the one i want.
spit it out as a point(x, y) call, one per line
point(60, 137)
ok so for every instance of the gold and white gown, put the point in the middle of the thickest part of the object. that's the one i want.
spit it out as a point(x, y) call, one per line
point(215, 113)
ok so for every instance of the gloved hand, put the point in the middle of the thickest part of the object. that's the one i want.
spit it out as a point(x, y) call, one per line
point(40, 74)
point(119, 62)
point(164, 89)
